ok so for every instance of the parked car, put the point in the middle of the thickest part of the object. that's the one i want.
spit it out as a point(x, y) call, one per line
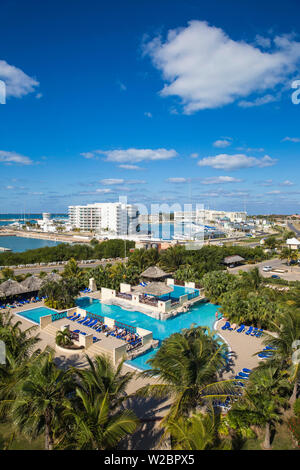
point(275, 276)
point(267, 268)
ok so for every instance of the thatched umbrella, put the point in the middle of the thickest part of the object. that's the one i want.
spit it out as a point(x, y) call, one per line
point(10, 288)
point(52, 277)
point(155, 288)
point(154, 272)
point(32, 284)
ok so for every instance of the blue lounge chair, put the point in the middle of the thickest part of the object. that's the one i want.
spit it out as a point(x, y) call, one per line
point(259, 333)
point(243, 376)
point(240, 329)
point(83, 319)
point(77, 316)
point(249, 331)
point(91, 325)
point(254, 332)
point(247, 370)
point(226, 326)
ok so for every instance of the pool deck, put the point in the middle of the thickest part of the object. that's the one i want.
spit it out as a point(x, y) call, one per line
point(150, 411)
point(243, 348)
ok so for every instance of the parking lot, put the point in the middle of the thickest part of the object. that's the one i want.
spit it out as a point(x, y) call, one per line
point(292, 273)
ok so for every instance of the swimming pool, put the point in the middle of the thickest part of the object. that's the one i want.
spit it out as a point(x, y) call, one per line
point(35, 314)
point(178, 291)
point(201, 314)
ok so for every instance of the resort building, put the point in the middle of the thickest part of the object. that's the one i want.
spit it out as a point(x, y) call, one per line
point(293, 243)
point(112, 218)
point(203, 216)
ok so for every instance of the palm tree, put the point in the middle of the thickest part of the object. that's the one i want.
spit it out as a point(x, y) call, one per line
point(197, 432)
point(40, 397)
point(262, 400)
point(287, 334)
point(93, 426)
point(187, 366)
point(74, 272)
point(252, 278)
point(20, 346)
point(102, 377)
point(63, 338)
point(172, 258)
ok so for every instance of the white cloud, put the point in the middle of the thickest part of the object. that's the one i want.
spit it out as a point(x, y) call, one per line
point(235, 162)
point(147, 114)
point(287, 183)
point(12, 157)
point(274, 192)
point(177, 180)
point(130, 167)
point(17, 83)
point(194, 155)
point(222, 143)
point(110, 181)
point(262, 41)
point(88, 155)
point(291, 139)
point(259, 101)
point(134, 155)
point(221, 180)
point(103, 190)
point(207, 69)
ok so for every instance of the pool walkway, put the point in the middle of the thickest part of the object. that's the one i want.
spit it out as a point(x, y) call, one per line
point(243, 347)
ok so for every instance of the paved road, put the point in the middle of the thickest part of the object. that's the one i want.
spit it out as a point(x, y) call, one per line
point(49, 269)
point(292, 274)
point(293, 228)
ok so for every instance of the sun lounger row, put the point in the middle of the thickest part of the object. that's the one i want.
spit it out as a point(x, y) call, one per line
point(251, 331)
point(266, 353)
point(20, 303)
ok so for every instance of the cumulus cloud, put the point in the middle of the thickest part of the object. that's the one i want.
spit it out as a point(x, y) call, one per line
point(110, 181)
point(221, 180)
point(17, 83)
point(222, 143)
point(203, 66)
point(235, 162)
point(134, 155)
point(130, 167)
point(291, 139)
point(88, 155)
point(10, 158)
point(147, 114)
point(194, 155)
point(177, 180)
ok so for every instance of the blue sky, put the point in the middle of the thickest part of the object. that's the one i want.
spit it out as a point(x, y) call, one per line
point(160, 101)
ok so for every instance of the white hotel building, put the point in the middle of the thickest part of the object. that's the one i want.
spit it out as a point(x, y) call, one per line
point(113, 218)
point(204, 216)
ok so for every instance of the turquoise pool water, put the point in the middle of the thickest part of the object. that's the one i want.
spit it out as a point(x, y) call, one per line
point(202, 314)
point(35, 314)
point(178, 291)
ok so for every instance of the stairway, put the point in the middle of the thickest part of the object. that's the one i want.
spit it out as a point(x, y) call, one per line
point(50, 329)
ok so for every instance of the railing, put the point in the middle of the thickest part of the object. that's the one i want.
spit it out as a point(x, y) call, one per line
point(95, 316)
point(58, 316)
point(130, 328)
point(146, 300)
point(122, 295)
point(178, 283)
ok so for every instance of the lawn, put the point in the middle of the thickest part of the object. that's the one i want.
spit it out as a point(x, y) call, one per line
point(8, 442)
point(282, 440)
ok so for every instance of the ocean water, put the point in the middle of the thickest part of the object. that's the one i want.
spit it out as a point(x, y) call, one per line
point(20, 244)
